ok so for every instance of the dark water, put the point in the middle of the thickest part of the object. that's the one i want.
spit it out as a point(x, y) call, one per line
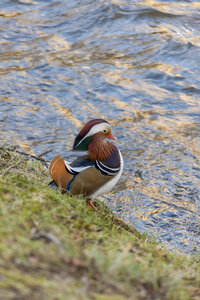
point(134, 63)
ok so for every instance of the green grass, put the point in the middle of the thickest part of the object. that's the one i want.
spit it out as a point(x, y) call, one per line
point(52, 246)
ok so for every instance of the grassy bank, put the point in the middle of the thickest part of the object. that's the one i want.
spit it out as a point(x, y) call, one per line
point(53, 247)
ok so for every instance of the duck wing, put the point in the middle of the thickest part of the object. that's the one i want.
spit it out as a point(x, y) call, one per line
point(80, 164)
point(88, 181)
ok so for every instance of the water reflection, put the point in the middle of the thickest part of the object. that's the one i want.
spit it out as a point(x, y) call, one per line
point(136, 65)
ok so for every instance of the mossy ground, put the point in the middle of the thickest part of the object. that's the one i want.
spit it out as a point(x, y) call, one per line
point(53, 246)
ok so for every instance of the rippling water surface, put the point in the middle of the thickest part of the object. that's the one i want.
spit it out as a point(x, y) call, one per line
point(134, 63)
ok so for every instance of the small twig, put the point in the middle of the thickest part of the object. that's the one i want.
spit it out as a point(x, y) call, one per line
point(33, 156)
point(5, 146)
point(13, 166)
point(45, 152)
point(48, 237)
point(13, 148)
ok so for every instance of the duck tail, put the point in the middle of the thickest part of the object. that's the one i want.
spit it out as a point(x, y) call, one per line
point(59, 173)
point(53, 185)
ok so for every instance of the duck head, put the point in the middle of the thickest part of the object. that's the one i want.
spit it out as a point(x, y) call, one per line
point(92, 138)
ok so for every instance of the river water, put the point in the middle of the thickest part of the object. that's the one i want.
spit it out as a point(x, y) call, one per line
point(135, 64)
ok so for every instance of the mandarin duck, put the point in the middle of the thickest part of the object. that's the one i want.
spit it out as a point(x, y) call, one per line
point(93, 174)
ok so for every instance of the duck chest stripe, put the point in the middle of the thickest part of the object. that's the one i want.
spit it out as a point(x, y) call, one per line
point(109, 169)
point(104, 170)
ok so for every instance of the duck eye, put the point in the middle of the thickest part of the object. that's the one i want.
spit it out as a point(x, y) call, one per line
point(104, 130)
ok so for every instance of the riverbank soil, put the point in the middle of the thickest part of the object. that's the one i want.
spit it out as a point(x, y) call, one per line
point(52, 246)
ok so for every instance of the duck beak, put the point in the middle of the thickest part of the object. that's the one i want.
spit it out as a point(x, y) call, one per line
point(112, 137)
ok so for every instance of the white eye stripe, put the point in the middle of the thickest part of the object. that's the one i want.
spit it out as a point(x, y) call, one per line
point(96, 128)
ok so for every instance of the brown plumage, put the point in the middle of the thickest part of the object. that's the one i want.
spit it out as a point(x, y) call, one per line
point(99, 148)
point(58, 172)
